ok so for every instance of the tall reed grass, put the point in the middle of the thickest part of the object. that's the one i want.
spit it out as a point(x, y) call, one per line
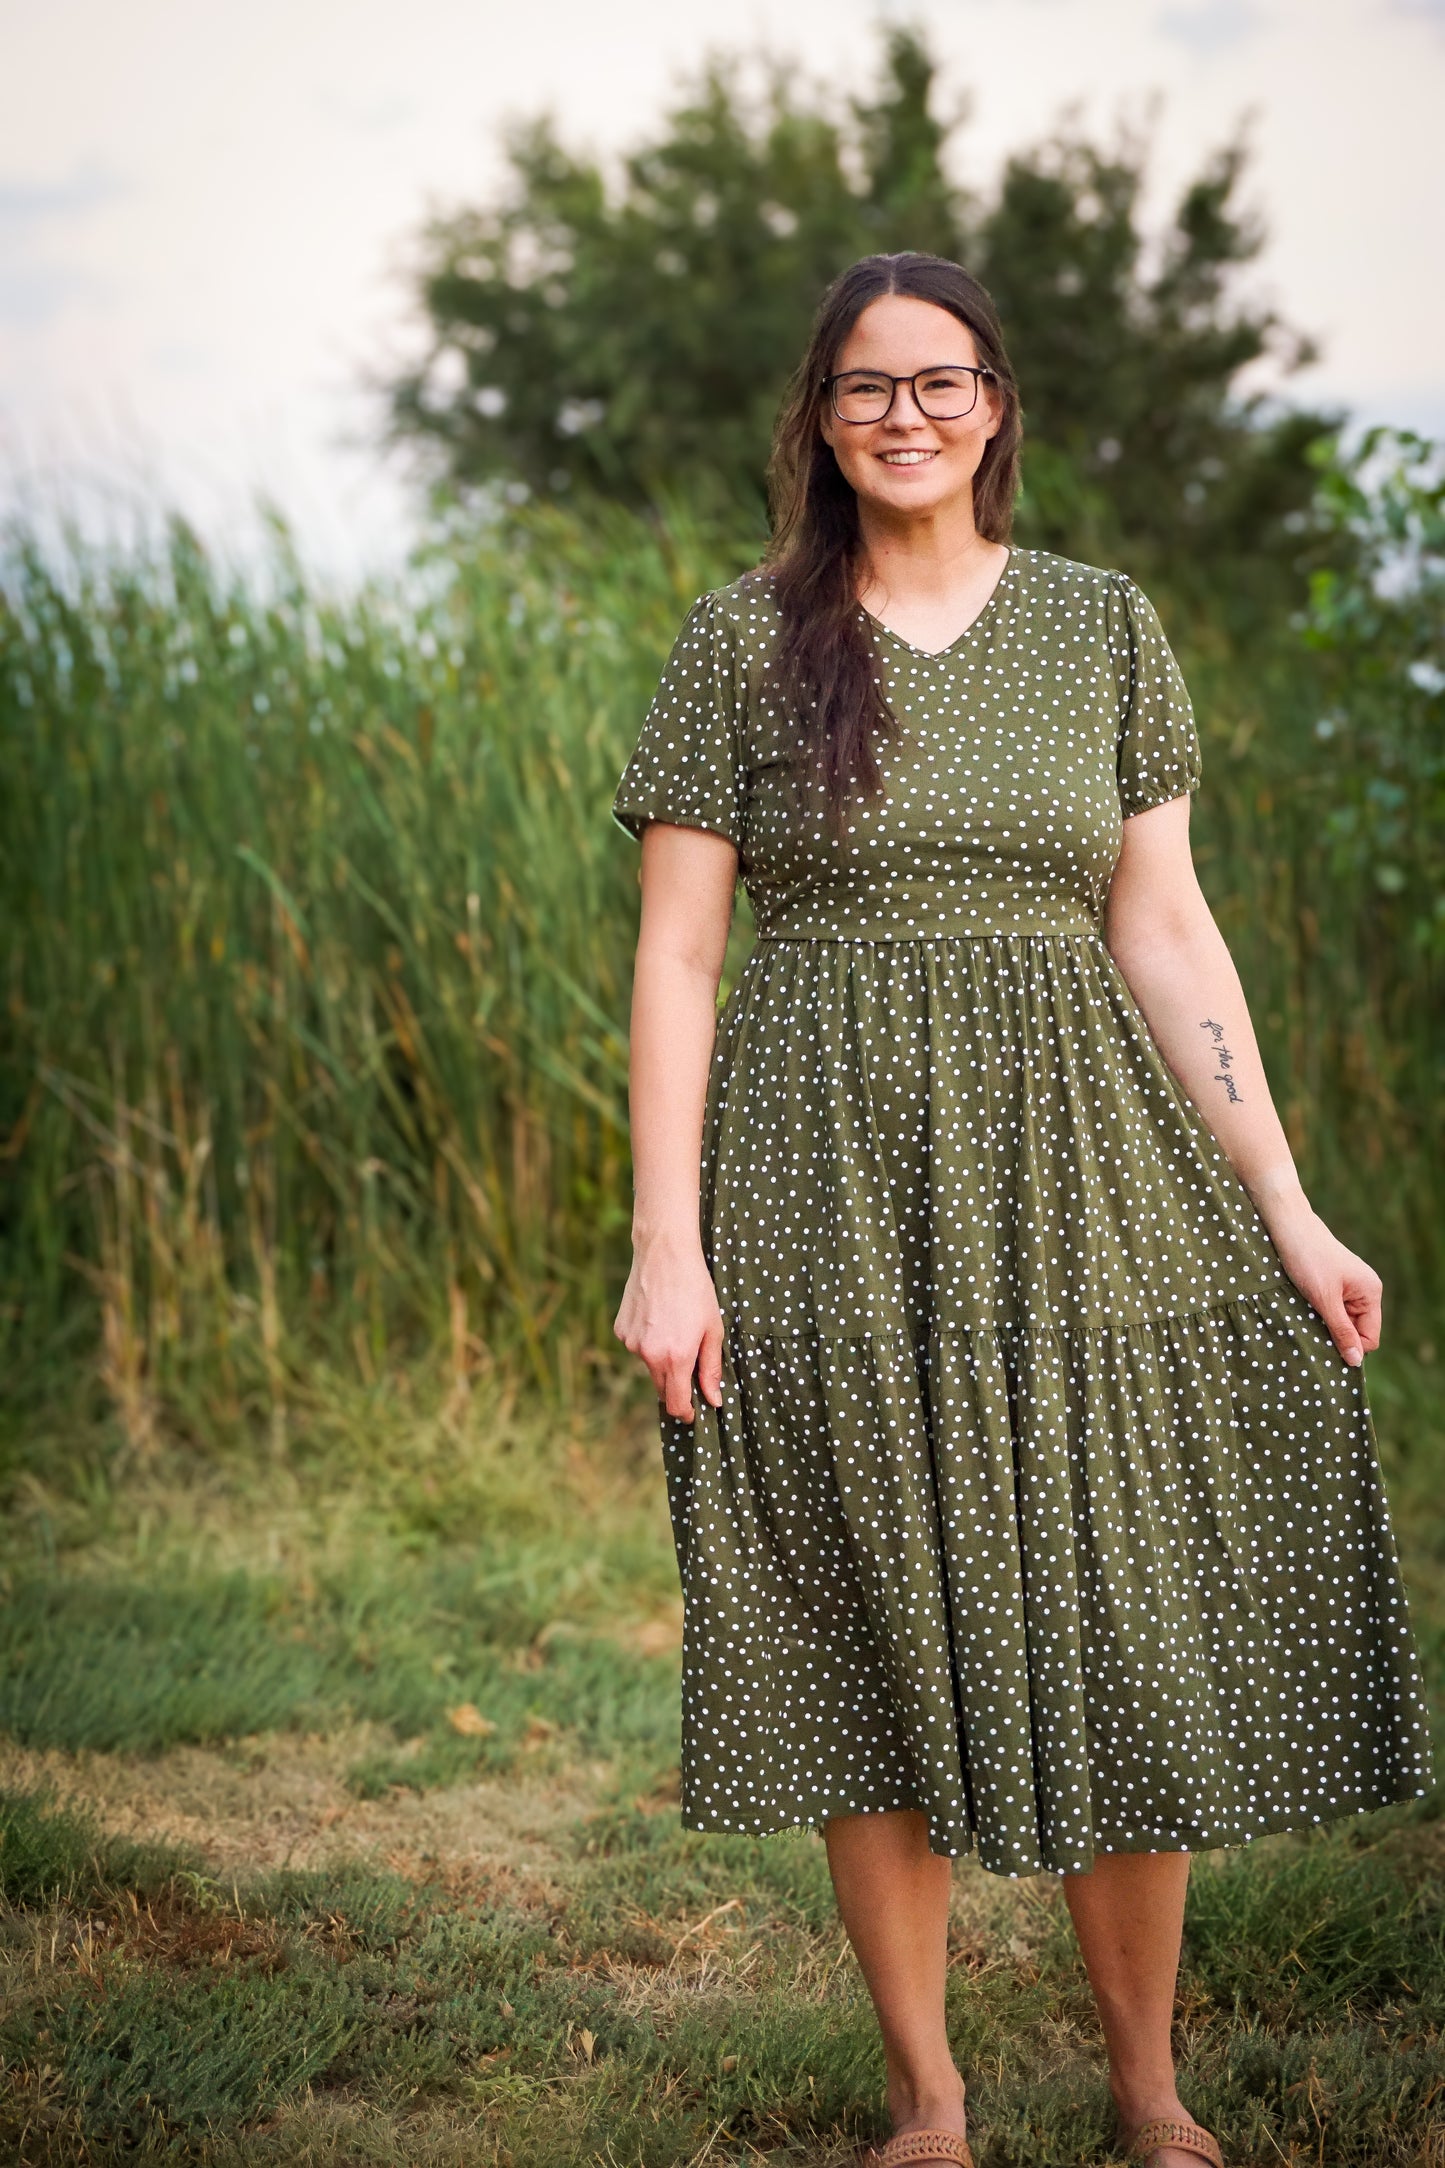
point(318, 955)
point(318, 947)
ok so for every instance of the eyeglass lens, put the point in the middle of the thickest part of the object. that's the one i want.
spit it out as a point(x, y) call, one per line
point(942, 394)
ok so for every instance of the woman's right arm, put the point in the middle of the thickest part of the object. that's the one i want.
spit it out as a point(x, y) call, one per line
point(669, 1313)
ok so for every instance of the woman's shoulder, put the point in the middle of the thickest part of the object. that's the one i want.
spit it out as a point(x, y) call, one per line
point(741, 618)
point(1050, 571)
point(747, 603)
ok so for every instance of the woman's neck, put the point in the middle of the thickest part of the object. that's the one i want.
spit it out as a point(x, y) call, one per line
point(923, 575)
point(927, 557)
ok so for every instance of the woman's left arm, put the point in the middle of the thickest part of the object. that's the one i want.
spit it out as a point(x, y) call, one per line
point(1162, 935)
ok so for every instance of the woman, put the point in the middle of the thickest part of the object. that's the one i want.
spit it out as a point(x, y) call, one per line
point(1032, 1505)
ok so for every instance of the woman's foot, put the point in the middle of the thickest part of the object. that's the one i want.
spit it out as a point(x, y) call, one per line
point(938, 2108)
point(1136, 2110)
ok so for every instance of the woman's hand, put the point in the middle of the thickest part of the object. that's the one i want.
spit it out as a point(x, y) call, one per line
point(670, 1317)
point(1343, 1288)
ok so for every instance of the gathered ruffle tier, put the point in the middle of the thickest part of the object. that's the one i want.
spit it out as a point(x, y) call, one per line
point(1039, 1498)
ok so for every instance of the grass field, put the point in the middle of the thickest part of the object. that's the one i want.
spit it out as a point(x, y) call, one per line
point(339, 1825)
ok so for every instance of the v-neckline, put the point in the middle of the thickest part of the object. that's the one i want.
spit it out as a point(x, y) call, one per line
point(936, 654)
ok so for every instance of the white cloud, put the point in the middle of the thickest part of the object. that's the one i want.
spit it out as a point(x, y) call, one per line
point(33, 295)
point(30, 203)
point(38, 217)
point(1213, 26)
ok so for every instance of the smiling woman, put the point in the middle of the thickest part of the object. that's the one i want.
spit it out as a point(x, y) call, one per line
point(867, 442)
point(1032, 1507)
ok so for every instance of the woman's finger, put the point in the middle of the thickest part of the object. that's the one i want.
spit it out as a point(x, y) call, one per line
point(678, 1388)
point(1363, 1304)
point(1342, 1328)
point(709, 1364)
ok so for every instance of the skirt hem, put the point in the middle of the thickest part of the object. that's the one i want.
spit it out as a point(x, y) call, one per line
point(966, 1846)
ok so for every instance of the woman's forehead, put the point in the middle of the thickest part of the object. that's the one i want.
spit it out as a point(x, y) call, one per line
point(901, 333)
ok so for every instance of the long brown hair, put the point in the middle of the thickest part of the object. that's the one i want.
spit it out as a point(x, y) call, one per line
point(826, 662)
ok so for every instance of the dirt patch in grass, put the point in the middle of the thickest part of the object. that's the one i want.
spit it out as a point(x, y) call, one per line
point(284, 1802)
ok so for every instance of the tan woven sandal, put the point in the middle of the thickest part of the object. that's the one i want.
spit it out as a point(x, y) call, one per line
point(1188, 2137)
point(920, 2145)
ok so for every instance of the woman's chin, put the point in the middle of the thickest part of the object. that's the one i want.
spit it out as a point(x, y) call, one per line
point(922, 492)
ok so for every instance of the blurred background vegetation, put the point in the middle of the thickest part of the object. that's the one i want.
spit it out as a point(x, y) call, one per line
point(319, 931)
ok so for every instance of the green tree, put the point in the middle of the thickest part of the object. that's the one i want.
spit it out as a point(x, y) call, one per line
point(1135, 436)
point(625, 342)
point(638, 339)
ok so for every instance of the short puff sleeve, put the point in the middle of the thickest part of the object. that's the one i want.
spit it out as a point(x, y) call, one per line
point(1158, 746)
point(687, 765)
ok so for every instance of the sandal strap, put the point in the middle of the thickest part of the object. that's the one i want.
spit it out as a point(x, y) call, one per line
point(1188, 2137)
point(925, 2145)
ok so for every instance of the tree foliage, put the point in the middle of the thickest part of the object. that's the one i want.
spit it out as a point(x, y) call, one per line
point(638, 337)
point(1379, 623)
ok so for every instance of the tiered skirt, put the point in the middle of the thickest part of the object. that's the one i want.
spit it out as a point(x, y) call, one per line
point(1040, 1499)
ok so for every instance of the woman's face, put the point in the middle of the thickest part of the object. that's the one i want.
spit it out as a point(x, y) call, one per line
point(908, 463)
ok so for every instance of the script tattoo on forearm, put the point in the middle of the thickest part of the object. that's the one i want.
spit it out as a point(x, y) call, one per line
point(1222, 1055)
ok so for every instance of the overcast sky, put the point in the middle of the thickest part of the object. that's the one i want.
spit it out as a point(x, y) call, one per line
point(204, 205)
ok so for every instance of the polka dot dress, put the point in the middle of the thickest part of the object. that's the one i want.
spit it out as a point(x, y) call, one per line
point(1039, 1498)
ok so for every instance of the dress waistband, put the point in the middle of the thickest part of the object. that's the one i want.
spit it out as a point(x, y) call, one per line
point(914, 926)
point(982, 906)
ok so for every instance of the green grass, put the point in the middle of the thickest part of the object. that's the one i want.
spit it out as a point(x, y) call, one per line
point(201, 1661)
point(612, 1992)
point(150, 1608)
point(51, 1855)
point(316, 1031)
point(332, 2017)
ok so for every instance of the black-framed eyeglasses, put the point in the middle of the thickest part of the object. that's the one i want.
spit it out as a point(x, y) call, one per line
point(944, 394)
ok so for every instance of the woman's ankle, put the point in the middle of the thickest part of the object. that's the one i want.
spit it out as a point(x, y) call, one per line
point(1138, 2099)
point(926, 2098)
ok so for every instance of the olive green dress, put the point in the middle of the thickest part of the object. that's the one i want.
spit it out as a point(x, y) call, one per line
point(1039, 1498)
